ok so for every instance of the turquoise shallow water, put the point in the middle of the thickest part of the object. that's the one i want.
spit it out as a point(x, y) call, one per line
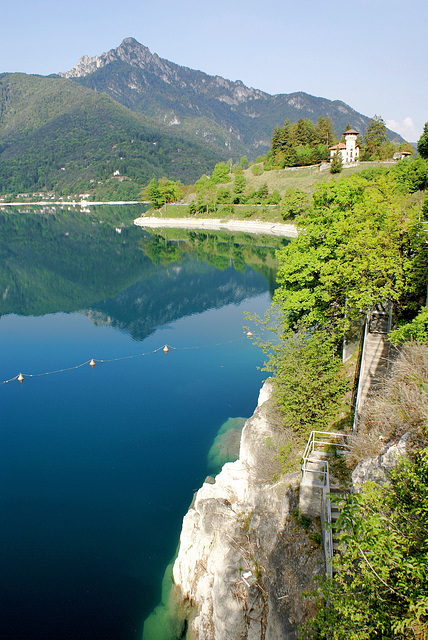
point(98, 466)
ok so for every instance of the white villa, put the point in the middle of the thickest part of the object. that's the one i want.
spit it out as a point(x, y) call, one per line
point(349, 150)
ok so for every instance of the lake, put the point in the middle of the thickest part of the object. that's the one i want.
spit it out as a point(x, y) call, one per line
point(99, 464)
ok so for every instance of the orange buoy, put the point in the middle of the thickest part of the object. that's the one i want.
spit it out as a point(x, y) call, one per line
point(249, 334)
point(165, 349)
point(21, 378)
point(92, 363)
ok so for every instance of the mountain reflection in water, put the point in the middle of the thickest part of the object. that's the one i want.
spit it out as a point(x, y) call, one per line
point(133, 280)
point(98, 467)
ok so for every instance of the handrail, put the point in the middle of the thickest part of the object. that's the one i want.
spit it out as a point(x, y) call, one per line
point(327, 438)
point(327, 528)
point(312, 441)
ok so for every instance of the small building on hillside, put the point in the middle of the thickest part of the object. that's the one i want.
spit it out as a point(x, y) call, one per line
point(401, 155)
point(349, 150)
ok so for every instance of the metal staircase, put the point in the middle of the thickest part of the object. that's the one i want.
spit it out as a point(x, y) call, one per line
point(316, 485)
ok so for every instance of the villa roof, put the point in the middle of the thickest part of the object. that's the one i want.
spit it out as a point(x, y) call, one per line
point(351, 131)
point(341, 145)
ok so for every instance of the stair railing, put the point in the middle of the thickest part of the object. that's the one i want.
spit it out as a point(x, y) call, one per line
point(320, 466)
point(326, 523)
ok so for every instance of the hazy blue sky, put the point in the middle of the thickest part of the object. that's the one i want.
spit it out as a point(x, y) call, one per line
point(372, 54)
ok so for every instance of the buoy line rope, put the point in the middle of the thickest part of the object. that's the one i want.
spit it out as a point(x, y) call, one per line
point(93, 361)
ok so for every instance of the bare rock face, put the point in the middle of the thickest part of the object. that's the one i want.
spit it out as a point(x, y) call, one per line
point(376, 469)
point(244, 561)
point(138, 56)
point(130, 51)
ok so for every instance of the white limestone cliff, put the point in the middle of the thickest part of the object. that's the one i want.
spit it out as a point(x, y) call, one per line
point(243, 561)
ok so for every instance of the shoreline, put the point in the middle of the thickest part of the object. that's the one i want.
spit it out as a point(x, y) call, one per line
point(68, 203)
point(216, 224)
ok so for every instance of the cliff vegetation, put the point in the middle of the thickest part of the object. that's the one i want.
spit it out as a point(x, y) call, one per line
point(363, 244)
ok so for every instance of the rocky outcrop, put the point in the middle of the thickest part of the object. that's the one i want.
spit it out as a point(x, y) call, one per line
point(376, 469)
point(244, 561)
point(138, 56)
point(224, 112)
point(129, 51)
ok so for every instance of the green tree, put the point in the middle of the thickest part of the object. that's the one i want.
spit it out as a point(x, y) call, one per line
point(276, 140)
point(221, 173)
point(374, 137)
point(239, 189)
point(224, 196)
point(274, 197)
point(280, 142)
point(168, 190)
point(294, 203)
point(308, 381)
point(423, 143)
point(415, 330)
point(406, 146)
point(303, 132)
point(151, 193)
point(325, 132)
point(360, 246)
point(336, 163)
point(380, 585)
point(163, 192)
point(263, 192)
point(411, 174)
point(300, 143)
point(203, 184)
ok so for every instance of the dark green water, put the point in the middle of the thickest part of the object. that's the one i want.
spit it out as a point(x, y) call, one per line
point(98, 466)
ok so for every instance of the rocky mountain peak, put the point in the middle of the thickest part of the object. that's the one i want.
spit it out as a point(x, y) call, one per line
point(226, 113)
point(129, 51)
point(136, 55)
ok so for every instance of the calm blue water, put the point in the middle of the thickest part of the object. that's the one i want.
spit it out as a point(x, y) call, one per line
point(98, 466)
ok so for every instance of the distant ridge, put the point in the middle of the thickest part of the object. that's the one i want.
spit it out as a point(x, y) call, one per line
point(115, 121)
point(58, 135)
point(226, 113)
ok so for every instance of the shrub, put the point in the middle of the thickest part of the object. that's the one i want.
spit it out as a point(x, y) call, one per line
point(257, 169)
point(309, 383)
point(379, 589)
point(294, 203)
point(336, 163)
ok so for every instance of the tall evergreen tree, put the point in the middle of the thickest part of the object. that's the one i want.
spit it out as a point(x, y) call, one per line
point(375, 136)
point(423, 143)
point(325, 131)
point(304, 132)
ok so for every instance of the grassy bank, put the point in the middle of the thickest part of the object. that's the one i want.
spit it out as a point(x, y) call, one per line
point(284, 181)
point(266, 213)
point(304, 178)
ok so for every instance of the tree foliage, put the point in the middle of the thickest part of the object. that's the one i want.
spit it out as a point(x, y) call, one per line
point(380, 586)
point(416, 329)
point(301, 143)
point(358, 246)
point(336, 163)
point(221, 173)
point(423, 143)
point(375, 142)
point(239, 189)
point(308, 381)
point(294, 203)
point(162, 192)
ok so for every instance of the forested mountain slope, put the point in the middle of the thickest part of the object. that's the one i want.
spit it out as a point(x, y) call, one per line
point(57, 134)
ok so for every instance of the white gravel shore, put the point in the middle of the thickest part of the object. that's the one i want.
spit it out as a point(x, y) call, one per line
point(247, 226)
